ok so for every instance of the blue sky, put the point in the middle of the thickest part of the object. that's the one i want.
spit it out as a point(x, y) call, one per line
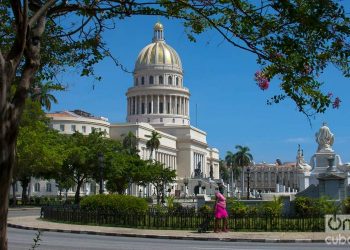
point(230, 106)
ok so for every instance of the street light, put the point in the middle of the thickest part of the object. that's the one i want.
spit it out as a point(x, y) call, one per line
point(101, 166)
point(186, 181)
point(248, 184)
point(199, 186)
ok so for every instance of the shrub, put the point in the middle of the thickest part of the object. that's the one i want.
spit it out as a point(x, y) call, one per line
point(305, 206)
point(120, 203)
point(238, 209)
point(273, 208)
point(205, 209)
point(346, 205)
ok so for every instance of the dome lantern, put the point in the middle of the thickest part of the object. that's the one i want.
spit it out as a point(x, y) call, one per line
point(158, 32)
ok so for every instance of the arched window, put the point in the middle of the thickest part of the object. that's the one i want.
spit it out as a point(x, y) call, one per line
point(137, 81)
point(170, 80)
point(151, 80)
point(161, 80)
point(142, 80)
point(177, 81)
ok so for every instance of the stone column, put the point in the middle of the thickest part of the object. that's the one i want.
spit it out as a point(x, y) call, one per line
point(152, 111)
point(170, 106)
point(164, 104)
point(157, 104)
point(146, 104)
point(176, 111)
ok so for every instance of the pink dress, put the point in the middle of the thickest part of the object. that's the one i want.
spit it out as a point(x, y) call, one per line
point(220, 207)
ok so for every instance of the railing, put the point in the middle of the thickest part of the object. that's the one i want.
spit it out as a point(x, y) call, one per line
point(187, 219)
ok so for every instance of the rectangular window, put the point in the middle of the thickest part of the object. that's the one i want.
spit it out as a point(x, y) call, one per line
point(142, 108)
point(161, 108)
point(73, 128)
point(37, 187)
point(168, 108)
point(48, 187)
point(84, 129)
point(62, 127)
point(149, 107)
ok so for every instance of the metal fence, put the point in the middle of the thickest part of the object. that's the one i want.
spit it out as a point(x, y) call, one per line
point(186, 219)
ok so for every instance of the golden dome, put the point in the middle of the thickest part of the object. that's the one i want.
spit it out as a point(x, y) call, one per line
point(158, 26)
point(158, 53)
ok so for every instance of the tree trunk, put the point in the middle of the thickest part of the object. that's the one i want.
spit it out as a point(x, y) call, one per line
point(7, 160)
point(24, 184)
point(77, 193)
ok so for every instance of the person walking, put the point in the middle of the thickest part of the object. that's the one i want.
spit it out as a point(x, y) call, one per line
point(220, 211)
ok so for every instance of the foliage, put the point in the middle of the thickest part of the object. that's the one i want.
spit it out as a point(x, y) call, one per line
point(205, 209)
point(39, 148)
point(157, 174)
point(305, 206)
point(130, 143)
point(237, 208)
point(123, 169)
point(273, 208)
point(224, 174)
point(114, 202)
point(170, 201)
point(242, 157)
point(153, 143)
point(294, 42)
point(82, 163)
point(346, 205)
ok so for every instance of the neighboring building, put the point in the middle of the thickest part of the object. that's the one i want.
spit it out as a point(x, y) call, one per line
point(159, 101)
point(68, 122)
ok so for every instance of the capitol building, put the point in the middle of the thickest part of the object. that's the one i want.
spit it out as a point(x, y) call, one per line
point(159, 101)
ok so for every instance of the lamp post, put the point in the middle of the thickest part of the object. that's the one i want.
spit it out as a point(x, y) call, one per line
point(248, 182)
point(101, 166)
point(186, 184)
point(199, 186)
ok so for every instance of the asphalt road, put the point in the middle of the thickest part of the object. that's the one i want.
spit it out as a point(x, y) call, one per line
point(22, 240)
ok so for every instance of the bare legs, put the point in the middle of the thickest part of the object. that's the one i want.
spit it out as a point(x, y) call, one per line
point(218, 223)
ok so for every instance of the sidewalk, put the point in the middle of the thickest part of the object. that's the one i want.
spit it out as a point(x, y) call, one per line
point(35, 223)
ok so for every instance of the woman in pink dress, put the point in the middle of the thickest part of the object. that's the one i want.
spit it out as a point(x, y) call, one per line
point(220, 211)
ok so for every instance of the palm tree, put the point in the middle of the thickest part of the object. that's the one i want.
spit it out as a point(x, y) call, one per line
point(41, 93)
point(242, 158)
point(130, 143)
point(235, 170)
point(153, 143)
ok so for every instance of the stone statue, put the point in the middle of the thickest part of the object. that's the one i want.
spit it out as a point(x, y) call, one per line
point(324, 138)
point(301, 163)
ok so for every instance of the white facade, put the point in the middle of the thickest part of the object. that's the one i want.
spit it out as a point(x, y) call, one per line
point(159, 101)
point(68, 122)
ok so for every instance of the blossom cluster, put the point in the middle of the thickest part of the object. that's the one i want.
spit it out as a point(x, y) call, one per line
point(336, 102)
point(261, 80)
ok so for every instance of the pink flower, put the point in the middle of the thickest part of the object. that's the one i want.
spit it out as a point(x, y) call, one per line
point(261, 80)
point(336, 103)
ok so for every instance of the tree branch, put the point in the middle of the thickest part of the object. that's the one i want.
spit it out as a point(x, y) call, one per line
point(41, 12)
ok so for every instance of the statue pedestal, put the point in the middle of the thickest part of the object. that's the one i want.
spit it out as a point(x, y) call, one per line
point(320, 164)
point(304, 180)
point(332, 184)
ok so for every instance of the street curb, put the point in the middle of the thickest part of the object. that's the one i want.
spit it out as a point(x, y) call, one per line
point(168, 236)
